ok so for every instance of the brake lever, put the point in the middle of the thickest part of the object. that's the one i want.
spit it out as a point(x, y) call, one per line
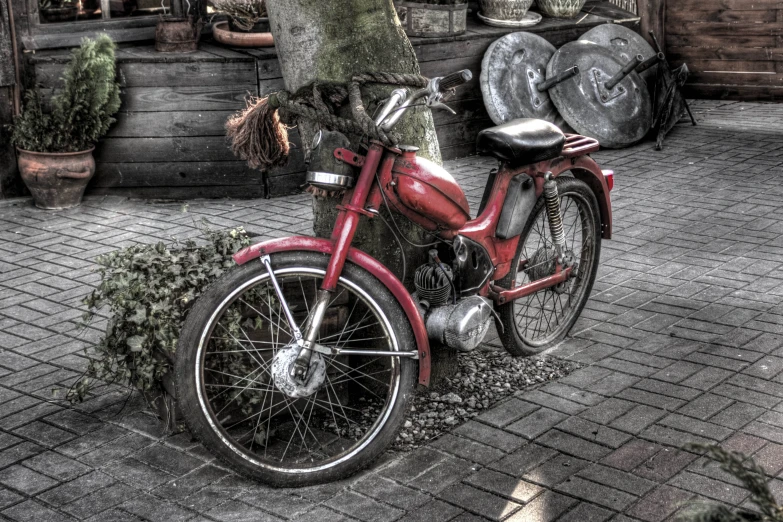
point(434, 101)
point(442, 106)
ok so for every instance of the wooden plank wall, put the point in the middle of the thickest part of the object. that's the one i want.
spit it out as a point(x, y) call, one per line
point(438, 57)
point(7, 76)
point(169, 140)
point(733, 48)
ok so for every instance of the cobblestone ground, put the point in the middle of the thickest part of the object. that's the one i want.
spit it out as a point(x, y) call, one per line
point(682, 341)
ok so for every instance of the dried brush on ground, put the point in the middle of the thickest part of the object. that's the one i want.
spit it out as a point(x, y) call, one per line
point(244, 13)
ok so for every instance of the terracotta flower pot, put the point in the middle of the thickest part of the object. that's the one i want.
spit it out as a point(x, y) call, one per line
point(56, 179)
point(222, 34)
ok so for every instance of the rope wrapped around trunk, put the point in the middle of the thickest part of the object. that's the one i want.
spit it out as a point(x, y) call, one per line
point(259, 134)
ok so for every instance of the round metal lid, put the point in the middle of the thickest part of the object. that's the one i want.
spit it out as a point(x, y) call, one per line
point(512, 67)
point(624, 44)
point(616, 118)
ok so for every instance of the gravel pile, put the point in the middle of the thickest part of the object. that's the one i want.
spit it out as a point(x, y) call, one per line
point(484, 378)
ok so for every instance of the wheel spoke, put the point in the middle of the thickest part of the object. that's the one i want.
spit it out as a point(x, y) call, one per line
point(543, 316)
point(271, 321)
point(356, 370)
point(255, 416)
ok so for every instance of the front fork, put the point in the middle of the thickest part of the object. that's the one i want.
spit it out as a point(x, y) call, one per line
point(342, 236)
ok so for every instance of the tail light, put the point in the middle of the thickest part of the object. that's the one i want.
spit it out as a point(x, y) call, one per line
point(609, 177)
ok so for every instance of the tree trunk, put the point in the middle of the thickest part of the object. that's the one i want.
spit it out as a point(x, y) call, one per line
point(332, 41)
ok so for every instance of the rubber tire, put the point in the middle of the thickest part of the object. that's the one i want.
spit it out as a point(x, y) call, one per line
point(509, 335)
point(188, 347)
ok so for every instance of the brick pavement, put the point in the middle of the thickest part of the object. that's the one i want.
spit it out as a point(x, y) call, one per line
point(682, 341)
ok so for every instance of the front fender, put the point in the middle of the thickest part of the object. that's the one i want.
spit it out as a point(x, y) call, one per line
point(369, 263)
point(584, 168)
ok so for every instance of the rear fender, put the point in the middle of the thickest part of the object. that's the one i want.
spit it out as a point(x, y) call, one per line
point(369, 263)
point(584, 168)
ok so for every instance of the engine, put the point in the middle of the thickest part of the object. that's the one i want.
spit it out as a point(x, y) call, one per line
point(458, 323)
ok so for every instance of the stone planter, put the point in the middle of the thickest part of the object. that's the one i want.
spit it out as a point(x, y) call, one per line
point(56, 179)
point(560, 8)
point(505, 9)
point(431, 20)
point(166, 407)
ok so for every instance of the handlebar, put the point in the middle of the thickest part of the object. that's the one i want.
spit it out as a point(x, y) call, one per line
point(453, 80)
point(393, 110)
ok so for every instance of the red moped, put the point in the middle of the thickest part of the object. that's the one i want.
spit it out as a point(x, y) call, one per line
point(296, 366)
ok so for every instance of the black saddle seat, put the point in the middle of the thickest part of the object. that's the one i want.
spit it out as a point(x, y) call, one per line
point(521, 142)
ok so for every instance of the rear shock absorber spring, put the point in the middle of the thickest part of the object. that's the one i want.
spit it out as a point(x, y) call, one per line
point(554, 216)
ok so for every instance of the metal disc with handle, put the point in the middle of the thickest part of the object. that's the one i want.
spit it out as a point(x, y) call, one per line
point(511, 71)
point(624, 43)
point(608, 101)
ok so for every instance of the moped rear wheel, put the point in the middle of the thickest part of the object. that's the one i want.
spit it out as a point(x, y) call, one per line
point(253, 416)
point(534, 323)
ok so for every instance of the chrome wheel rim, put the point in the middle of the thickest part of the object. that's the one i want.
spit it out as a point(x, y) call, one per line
point(541, 318)
point(272, 414)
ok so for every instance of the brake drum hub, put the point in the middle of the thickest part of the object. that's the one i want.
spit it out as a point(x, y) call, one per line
point(281, 373)
point(544, 264)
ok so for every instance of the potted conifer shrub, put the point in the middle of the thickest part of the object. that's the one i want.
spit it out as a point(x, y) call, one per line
point(54, 148)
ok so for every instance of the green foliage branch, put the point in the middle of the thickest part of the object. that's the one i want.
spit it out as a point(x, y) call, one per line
point(147, 291)
point(81, 112)
point(753, 479)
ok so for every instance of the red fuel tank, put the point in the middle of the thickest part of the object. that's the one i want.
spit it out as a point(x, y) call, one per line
point(428, 190)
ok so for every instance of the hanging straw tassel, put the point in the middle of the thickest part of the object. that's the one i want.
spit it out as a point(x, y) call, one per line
point(257, 135)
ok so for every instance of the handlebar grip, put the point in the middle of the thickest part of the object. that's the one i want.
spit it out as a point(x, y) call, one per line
point(455, 79)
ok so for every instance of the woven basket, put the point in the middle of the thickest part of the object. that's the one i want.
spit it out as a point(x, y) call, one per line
point(505, 9)
point(560, 8)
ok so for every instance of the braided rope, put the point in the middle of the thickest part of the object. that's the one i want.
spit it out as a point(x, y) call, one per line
point(361, 123)
point(410, 80)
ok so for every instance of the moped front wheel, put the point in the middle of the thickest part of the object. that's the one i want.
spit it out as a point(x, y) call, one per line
point(239, 400)
point(534, 323)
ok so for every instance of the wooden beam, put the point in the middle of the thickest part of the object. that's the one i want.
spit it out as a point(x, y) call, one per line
point(653, 15)
point(7, 71)
point(10, 181)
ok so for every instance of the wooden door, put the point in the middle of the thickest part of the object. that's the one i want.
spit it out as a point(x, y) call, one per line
point(733, 48)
